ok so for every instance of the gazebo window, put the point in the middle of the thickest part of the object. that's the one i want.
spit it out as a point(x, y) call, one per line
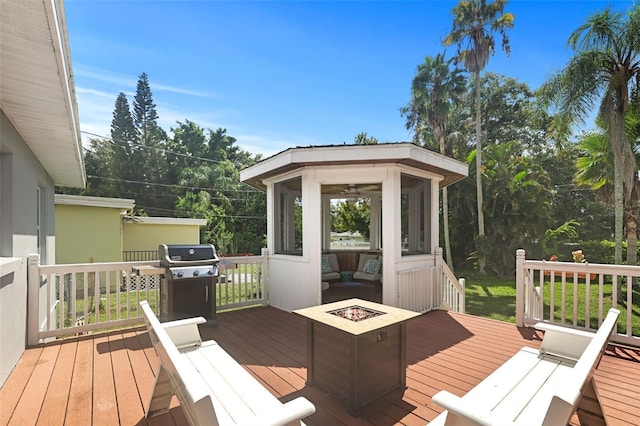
point(350, 219)
point(288, 217)
point(415, 215)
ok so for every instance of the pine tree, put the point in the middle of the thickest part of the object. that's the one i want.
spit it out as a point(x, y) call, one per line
point(144, 110)
point(152, 143)
point(126, 153)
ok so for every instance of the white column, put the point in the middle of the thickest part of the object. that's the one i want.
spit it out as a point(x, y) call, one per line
point(33, 299)
point(520, 287)
point(326, 222)
point(274, 239)
point(435, 214)
point(312, 235)
point(374, 223)
point(391, 244)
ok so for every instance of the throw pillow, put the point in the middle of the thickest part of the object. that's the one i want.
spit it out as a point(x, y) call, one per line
point(326, 267)
point(372, 267)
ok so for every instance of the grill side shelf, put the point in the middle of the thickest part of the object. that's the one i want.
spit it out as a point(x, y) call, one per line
point(148, 270)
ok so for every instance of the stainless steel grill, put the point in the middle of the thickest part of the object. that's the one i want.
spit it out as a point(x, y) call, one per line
point(187, 288)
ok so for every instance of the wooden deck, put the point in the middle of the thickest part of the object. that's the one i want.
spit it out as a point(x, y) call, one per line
point(106, 379)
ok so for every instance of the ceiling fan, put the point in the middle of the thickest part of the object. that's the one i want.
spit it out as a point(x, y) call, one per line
point(351, 193)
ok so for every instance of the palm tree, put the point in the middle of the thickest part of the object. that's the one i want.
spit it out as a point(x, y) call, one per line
point(434, 90)
point(595, 170)
point(606, 63)
point(474, 23)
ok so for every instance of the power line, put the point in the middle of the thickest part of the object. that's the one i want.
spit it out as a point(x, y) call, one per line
point(167, 185)
point(192, 213)
point(161, 150)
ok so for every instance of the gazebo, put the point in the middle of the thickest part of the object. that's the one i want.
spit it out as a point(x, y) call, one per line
point(399, 181)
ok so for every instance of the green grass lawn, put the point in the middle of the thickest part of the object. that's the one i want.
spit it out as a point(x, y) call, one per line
point(495, 298)
point(490, 297)
point(128, 307)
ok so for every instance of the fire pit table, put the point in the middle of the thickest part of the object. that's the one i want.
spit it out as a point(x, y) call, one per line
point(356, 349)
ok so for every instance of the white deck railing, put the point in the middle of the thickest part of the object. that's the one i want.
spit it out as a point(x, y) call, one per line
point(72, 299)
point(578, 295)
point(453, 297)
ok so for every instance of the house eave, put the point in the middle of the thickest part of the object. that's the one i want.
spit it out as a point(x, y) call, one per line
point(166, 221)
point(37, 86)
point(88, 201)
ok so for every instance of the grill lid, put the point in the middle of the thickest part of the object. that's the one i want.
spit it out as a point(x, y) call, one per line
point(187, 254)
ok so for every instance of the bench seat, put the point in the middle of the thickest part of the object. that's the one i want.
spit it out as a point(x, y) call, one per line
point(212, 388)
point(537, 387)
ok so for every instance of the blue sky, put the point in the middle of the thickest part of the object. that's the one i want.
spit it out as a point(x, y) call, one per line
point(278, 74)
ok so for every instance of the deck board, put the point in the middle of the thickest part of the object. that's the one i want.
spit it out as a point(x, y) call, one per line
point(30, 404)
point(105, 408)
point(80, 405)
point(107, 378)
point(54, 406)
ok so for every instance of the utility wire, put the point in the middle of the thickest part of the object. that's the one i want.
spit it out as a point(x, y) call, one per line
point(167, 185)
point(192, 213)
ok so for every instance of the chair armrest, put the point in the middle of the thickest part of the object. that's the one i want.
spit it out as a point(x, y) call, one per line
point(296, 409)
point(474, 412)
point(184, 333)
point(563, 341)
point(183, 322)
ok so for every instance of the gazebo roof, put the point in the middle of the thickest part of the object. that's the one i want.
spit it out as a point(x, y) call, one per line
point(331, 155)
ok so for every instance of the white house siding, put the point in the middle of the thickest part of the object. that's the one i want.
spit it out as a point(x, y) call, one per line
point(22, 175)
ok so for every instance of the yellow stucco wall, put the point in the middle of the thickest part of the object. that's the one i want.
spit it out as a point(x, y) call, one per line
point(146, 236)
point(85, 234)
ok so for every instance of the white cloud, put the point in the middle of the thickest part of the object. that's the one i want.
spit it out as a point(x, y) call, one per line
point(173, 89)
point(104, 76)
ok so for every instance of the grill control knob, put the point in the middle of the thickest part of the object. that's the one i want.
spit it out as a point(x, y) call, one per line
point(196, 273)
point(210, 272)
point(179, 274)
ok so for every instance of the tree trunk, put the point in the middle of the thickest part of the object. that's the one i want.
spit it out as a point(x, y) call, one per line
point(617, 141)
point(480, 246)
point(618, 204)
point(438, 132)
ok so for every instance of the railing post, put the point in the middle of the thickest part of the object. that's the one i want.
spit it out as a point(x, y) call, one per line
point(439, 289)
point(462, 297)
point(520, 258)
point(265, 276)
point(33, 299)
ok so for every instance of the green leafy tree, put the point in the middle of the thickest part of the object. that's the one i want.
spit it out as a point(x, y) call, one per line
point(434, 91)
point(474, 24)
point(222, 146)
point(363, 139)
point(351, 216)
point(97, 159)
point(605, 64)
point(518, 205)
point(185, 150)
point(595, 171)
point(572, 203)
point(200, 205)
